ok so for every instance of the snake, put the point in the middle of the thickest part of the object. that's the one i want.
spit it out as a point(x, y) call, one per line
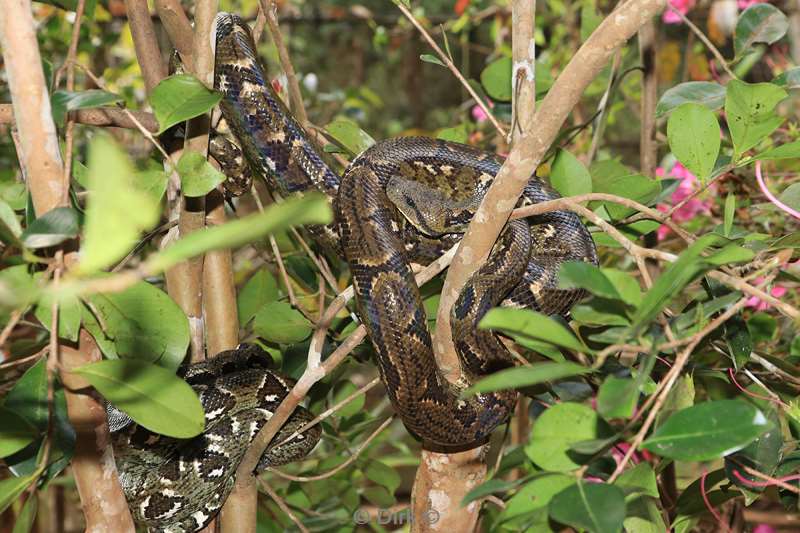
point(398, 205)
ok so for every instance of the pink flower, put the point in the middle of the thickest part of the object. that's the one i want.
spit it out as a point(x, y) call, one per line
point(686, 187)
point(670, 17)
point(759, 305)
point(763, 528)
point(478, 113)
point(744, 4)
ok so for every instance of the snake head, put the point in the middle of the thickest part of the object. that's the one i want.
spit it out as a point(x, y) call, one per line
point(428, 209)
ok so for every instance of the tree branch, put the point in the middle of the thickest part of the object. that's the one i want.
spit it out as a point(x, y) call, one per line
point(145, 43)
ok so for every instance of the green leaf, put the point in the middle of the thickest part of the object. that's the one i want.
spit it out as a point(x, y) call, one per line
point(15, 432)
point(533, 325)
point(118, 211)
point(152, 396)
point(310, 209)
point(694, 137)
point(10, 229)
point(613, 178)
point(750, 111)
point(456, 134)
point(763, 454)
point(52, 228)
point(569, 176)
point(578, 274)
point(26, 517)
point(556, 429)
point(601, 312)
point(198, 177)
point(260, 288)
point(674, 278)
point(791, 196)
point(617, 397)
point(381, 474)
point(535, 494)
point(596, 507)
point(731, 253)
point(64, 101)
point(354, 406)
point(789, 79)
point(626, 285)
point(785, 151)
point(640, 479)
point(349, 135)
point(488, 487)
point(496, 79)
point(525, 376)
point(708, 94)
point(428, 58)
point(730, 212)
point(12, 488)
point(279, 322)
point(759, 23)
point(69, 316)
point(142, 322)
point(708, 431)
point(179, 98)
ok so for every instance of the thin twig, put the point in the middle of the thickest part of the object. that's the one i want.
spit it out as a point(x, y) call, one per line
point(449, 64)
point(702, 36)
point(263, 485)
point(70, 128)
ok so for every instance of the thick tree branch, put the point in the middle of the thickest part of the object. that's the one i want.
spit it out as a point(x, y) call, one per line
point(178, 28)
point(148, 55)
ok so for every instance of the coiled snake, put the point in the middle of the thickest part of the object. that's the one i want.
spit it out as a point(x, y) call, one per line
point(402, 201)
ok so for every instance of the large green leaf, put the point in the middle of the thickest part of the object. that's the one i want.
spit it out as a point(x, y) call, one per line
point(279, 322)
point(708, 430)
point(533, 325)
point(259, 289)
point(15, 432)
point(496, 79)
point(310, 209)
point(750, 112)
point(349, 135)
point(595, 507)
point(560, 426)
point(525, 376)
point(759, 23)
point(142, 322)
point(118, 211)
point(179, 98)
point(152, 396)
point(708, 94)
point(694, 137)
point(569, 176)
point(582, 275)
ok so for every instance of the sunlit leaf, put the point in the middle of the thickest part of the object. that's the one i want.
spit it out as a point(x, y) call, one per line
point(694, 137)
point(179, 98)
point(525, 376)
point(198, 177)
point(556, 429)
point(750, 112)
point(531, 324)
point(569, 176)
point(349, 135)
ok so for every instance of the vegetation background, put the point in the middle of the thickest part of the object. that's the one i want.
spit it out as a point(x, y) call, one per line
point(668, 402)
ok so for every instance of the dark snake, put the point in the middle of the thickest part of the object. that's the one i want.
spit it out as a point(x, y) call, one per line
point(403, 201)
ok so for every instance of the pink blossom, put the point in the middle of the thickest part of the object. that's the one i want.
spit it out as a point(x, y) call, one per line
point(763, 528)
point(744, 4)
point(686, 187)
point(478, 113)
point(759, 305)
point(670, 17)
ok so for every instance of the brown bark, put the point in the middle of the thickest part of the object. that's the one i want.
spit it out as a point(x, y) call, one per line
point(178, 28)
point(102, 116)
point(93, 465)
point(648, 149)
point(148, 55)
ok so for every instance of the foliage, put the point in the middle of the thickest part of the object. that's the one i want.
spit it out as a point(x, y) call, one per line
point(666, 367)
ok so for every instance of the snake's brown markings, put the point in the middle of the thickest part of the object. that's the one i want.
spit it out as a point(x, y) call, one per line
point(379, 243)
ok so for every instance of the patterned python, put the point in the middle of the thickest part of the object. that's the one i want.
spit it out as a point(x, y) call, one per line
point(403, 201)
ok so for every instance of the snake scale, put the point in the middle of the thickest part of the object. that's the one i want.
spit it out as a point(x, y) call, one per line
point(403, 201)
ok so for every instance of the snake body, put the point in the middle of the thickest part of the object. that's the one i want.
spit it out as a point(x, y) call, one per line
point(401, 202)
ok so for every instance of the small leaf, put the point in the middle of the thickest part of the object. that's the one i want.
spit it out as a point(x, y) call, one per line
point(15, 432)
point(349, 135)
point(152, 396)
point(535, 495)
point(613, 178)
point(730, 212)
point(750, 112)
point(279, 322)
point(569, 176)
point(785, 151)
point(640, 479)
point(69, 316)
point(310, 209)
point(708, 94)
point(456, 134)
point(381, 474)
point(525, 376)
point(578, 274)
point(791, 196)
point(428, 58)
point(732, 253)
point(531, 324)
point(496, 79)
point(52, 228)
point(488, 487)
point(64, 101)
point(179, 98)
point(596, 507)
point(198, 177)
point(708, 430)
point(694, 137)
point(12, 488)
point(556, 429)
point(10, 229)
point(617, 397)
point(759, 23)
point(118, 211)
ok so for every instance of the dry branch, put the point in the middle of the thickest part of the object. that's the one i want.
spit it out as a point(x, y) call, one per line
point(148, 55)
point(101, 116)
point(178, 28)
